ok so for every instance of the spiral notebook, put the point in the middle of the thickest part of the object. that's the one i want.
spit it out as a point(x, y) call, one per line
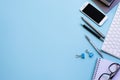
point(102, 67)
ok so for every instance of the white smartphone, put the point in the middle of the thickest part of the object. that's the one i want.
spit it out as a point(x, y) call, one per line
point(93, 13)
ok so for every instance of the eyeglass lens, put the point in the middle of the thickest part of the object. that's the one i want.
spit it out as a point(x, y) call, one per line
point(104, 77)
point(114, 67)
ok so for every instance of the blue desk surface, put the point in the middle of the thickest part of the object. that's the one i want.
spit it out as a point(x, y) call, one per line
point(40, 38)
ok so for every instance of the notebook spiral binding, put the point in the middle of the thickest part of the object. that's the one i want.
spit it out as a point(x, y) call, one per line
point(96, 69)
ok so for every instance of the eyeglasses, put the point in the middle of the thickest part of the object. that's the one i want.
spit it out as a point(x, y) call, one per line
point(113, 68)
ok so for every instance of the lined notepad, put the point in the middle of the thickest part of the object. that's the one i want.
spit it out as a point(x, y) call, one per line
point(102, 67)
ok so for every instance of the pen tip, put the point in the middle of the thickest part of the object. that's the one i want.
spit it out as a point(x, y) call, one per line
point(82, 18)
point(87, 37)
point(81, 24)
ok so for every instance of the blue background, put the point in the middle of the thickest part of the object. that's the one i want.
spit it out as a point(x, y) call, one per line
point(40, 38)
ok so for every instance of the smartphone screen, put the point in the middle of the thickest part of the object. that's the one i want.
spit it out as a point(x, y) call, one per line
point(93, 13)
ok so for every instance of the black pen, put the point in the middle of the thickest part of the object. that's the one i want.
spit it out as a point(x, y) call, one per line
point(93, 32)
point(88, 23)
